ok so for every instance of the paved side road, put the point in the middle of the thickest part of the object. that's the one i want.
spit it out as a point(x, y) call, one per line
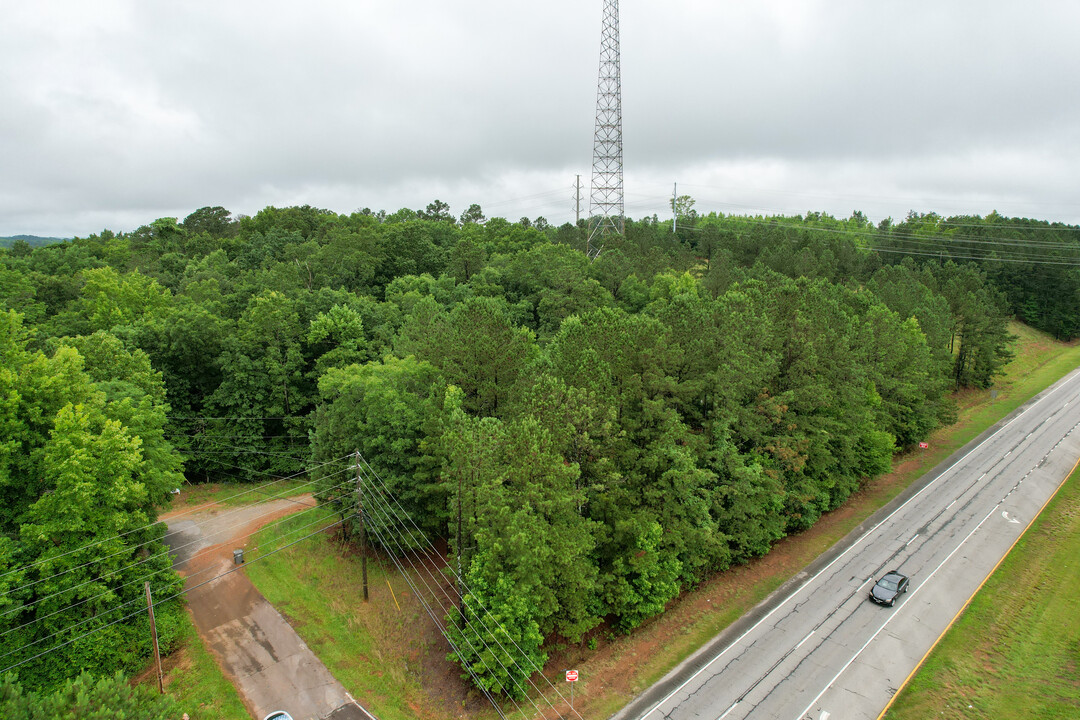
point(257, 649)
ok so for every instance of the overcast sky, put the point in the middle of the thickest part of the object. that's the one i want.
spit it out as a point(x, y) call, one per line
point(117, 112)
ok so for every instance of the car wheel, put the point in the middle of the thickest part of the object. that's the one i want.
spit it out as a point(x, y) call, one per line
point(892, 602)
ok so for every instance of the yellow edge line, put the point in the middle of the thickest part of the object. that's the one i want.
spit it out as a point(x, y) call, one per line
point(965, 607)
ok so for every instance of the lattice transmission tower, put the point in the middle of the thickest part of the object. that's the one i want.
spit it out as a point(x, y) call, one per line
point(606, 202)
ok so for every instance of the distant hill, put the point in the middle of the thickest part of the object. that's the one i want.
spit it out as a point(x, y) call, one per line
point(33, 240)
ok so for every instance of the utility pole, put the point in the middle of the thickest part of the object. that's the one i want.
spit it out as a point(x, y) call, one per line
point(363, 533)
point(459, 569)
point(606, 203)
point(153, 634)
point(577, 201)
point(675, 209)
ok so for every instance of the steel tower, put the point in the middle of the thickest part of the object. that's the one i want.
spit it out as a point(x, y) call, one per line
point(606, 202)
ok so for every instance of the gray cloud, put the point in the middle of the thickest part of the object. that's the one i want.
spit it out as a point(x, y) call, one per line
point(117, 112)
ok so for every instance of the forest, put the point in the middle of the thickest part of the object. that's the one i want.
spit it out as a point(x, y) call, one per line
point(587, 438)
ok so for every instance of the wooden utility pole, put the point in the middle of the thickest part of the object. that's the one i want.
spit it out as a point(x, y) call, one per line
point(363, 534)
point(153, 634)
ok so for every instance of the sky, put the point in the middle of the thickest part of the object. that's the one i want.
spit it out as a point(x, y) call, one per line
point(116, 112)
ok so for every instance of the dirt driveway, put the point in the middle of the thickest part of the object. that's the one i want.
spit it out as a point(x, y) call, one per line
point(255, 646)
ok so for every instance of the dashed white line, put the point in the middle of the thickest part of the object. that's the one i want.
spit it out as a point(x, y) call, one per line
point(889, 619)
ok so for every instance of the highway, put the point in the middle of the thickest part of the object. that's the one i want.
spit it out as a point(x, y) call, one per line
point(818, 648)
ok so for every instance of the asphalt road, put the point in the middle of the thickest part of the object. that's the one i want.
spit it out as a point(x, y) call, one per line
point(818, 648)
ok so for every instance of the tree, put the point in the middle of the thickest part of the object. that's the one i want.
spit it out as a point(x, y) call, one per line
point(682, 207)
point(110, 301)
point(386, 410)
point(87, 698)
point(495, 637)
point(264, 394)
point(338, 336)
point(81, 489)
point(216, 221)
point(438, 211)
point(474, 215)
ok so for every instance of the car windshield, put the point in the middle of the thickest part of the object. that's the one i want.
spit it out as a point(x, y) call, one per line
point(887, 583)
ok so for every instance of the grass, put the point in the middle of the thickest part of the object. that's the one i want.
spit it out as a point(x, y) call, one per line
point(191, 674)
point(696, 617)
point(379, 650)
point(1015, 651)
point(194, 680)
point(376, 651)
point(192, 497)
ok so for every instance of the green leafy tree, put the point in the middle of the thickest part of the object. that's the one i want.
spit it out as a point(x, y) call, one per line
point(85, 697)
point(474, 215)
point(495, 636)
point(386, 410)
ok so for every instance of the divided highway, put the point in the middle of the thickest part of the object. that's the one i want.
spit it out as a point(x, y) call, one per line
point(818, 648)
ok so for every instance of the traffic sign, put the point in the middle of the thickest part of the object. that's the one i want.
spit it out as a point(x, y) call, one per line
point(924, 445)
point(571, 676)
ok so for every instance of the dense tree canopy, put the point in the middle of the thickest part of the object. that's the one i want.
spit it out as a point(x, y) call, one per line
point(589, 437)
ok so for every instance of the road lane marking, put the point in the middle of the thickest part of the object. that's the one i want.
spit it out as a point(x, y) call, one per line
point(914, 592)
point(911, 540)
point(804, 640)
point(966, 604)
point(1049, 392)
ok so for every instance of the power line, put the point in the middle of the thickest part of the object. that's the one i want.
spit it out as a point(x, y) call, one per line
point(461, 580)
point(427, 609)
point(404, 553)
point(989, 256)
point(51, 558)
point(124, 569)
point(171, 597)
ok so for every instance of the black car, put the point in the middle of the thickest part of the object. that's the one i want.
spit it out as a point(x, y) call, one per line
point(888, 588)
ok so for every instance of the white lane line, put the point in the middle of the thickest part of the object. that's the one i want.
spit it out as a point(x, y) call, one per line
point(728, 711)
point(951, 504)
point(1049, 393)
point(911, 540)
point(805, 712)
point(804, 640)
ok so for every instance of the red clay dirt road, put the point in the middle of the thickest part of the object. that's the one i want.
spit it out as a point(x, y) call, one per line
point(256, 648)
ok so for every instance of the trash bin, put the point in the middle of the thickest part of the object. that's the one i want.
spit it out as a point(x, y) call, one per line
point(238, 556)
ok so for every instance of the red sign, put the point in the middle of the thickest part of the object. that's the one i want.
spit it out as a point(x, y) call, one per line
point(571, 676)
point(924, 445)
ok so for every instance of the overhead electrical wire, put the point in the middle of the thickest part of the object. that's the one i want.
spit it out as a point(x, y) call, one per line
point(989, 256)
point(170, 597)
point(402, 552)
point(370, 471)
point(137, 598)
point(126, 568)
point(100, 541)
point(428, 610)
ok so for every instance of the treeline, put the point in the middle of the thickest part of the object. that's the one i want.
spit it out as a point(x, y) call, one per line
point(84, 467)
point(599, 435)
